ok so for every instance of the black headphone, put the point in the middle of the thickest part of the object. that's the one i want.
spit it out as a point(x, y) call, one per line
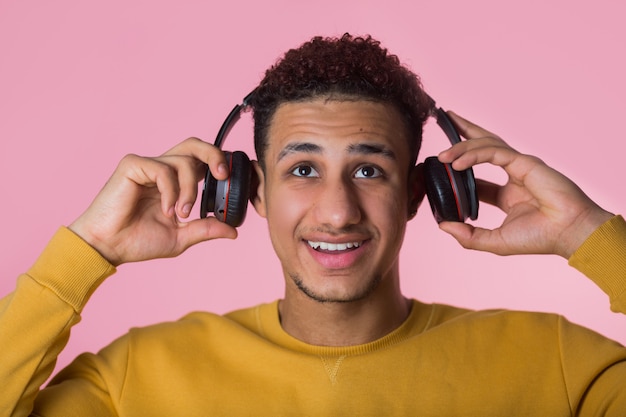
point(452, 194)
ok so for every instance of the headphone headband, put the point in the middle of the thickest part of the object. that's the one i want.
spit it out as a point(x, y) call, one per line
point(231, 119)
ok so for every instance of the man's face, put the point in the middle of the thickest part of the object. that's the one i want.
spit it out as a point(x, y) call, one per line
point(335, 193)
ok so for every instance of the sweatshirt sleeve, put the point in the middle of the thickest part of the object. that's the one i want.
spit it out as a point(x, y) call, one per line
point(35, 319)
point(602, 258)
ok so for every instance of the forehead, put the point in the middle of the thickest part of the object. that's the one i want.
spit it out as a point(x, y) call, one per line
point(330, 121)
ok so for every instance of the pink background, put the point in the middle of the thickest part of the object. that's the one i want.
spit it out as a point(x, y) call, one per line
point(83, 83)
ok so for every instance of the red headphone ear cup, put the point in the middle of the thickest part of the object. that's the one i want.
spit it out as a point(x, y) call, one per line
point(239, 189)
point(440, 191)
point(209, 190)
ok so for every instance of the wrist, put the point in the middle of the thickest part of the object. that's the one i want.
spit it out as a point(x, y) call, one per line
point(582, 229)
point(98, 244)
point(70, 268)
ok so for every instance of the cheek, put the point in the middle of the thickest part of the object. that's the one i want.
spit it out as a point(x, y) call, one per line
point(390, 221)
point(389, 209)
point(284, 212)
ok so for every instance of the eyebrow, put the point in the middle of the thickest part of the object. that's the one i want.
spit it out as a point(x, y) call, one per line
point(372, 149)
point(304, 147)
point(359, 148)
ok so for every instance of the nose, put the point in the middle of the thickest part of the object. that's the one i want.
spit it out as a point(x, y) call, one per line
point(337, 204)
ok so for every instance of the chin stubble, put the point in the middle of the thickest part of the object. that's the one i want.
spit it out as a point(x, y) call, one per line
point(321, 299)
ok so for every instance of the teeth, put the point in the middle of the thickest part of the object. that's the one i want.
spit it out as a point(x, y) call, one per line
point(333, 246)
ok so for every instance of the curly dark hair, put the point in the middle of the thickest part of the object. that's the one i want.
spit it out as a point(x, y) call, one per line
point(346, 67)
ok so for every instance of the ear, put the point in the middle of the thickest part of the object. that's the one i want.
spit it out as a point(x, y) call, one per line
point(257, 189)
point(416, 189)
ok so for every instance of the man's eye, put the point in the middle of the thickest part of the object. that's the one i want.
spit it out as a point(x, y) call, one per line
point(368, 171)
point(305, 171)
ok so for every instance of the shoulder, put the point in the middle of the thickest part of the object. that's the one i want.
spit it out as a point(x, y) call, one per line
point(525, 329)
point(496, 320)
point(200, 326)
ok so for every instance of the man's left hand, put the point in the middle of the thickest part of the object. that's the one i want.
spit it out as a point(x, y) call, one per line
point(545, 211)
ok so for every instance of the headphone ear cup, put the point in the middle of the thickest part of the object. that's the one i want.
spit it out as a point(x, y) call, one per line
point(239, 189)
point(440, 191)
point(209, 189)
point(228, 199)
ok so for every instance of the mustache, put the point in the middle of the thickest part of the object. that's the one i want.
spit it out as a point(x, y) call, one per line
point(333, 231)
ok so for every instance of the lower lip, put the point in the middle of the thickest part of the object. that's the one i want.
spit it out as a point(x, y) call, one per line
point(337, 259)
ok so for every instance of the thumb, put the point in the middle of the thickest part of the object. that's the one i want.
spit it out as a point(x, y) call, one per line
point(471, 237)
point(200, 230)
point(462, 232)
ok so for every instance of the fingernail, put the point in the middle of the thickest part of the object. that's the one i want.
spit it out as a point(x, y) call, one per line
point(222, 169)
point(187, 209)
point(444, 156)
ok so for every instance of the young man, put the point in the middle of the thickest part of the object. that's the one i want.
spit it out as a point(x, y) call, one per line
point(337, 130)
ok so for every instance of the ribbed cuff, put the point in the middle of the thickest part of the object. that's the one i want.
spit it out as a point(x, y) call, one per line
point(602, 258)
point(70, 268)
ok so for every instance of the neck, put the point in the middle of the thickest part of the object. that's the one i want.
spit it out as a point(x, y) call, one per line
point(344, 323)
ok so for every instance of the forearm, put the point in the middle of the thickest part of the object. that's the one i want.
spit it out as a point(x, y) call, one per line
point(35, 320)
point(602, 258)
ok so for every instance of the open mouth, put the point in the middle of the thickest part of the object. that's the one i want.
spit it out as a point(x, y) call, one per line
point(333, 247)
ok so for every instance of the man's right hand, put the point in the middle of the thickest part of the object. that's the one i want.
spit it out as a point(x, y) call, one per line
point(136, 216)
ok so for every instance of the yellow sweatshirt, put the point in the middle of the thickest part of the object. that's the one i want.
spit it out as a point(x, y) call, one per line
point(443, 361)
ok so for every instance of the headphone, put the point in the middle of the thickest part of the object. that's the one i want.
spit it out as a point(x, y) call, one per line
point(452, 194)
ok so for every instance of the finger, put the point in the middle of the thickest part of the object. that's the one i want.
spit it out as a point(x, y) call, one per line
point(466, 154)
point(201, 230)
point(147, 172)
point(475, 238)
point(189, 171)
point(468, 129)
point(204, 152)
point(188, 182)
